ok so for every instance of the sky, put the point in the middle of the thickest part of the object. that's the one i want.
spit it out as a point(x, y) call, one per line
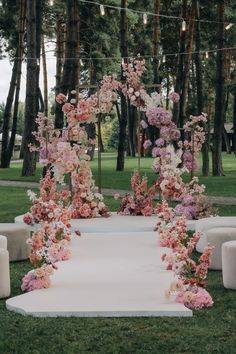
point(5, 77)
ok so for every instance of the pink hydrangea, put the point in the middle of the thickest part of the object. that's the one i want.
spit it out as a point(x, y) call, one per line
point(174, 97)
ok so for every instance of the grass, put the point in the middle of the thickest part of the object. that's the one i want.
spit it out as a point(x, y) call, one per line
point(218, 186)
point(208, 331)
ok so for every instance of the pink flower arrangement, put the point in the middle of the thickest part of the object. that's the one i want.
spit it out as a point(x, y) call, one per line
point(194, 204)
point(196, 299)
point(174, 97)
point(86, 202)
point(37, 279)
point(140, 203)
point(189, 288)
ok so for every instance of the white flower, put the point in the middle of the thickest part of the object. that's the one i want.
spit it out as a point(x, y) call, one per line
point(31, 194)
point(98, 196)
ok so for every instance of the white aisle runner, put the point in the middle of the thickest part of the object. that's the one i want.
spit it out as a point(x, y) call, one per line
point(109, 274)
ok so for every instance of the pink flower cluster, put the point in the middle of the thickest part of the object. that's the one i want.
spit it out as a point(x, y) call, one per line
point(86, 203)
point(50, 205)
point(191, 148)
point(161, 118)
point(133, 87)
point(50, 242)
point(140, 203)
point(194, 204)
point(189, 288)
point(174, 97)
point(37, 279)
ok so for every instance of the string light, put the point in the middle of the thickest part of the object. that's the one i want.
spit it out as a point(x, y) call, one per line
point(229, 26)
point(51, 2)
point(148, 13)
point(145, 18)
point(81, 62)
point(141, 56)
point(102, 10)
point(38, 62)
point(207, 55)
point(163, 59)
point(183, 26)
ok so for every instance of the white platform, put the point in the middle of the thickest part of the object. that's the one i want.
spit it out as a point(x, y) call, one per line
point(116, 223)
point(109, 274)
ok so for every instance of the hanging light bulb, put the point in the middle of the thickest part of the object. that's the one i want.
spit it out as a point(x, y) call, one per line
point(229, 26)
point(145, 18)
point(163, 59)
point(51, 2)
point(207, 55)
point(183, 26)
point(102, 10)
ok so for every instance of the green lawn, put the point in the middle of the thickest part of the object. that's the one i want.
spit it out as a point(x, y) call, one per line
point(209, 331)
point(219, 186)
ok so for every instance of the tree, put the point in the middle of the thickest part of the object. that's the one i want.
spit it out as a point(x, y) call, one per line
point(123, 103)
point(199, 84)
point(70, 77)
point(217, 167)
point(13, 93)
point(33, 30)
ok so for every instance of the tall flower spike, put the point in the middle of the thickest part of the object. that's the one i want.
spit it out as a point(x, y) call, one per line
point(102, 10)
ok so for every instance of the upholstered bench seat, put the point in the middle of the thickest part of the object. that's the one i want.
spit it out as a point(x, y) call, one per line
point(229, 264)
point(16, 235)
point(217, 237)
point(206, 224)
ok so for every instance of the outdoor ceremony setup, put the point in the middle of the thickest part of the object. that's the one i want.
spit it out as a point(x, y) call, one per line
point(117, 177)
point(63, 151)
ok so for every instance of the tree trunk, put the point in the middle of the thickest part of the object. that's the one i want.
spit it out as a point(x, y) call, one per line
point(227, 141)
point(217, 167)
point(234, 122)
point(156, 35)
point(123, 117)
point(227, 62)
point(70, 68)
point(31, 101)
point(59, 51)
point(200, 96)
point(8, 148)
point(45, 79)
point(7, 115)
point(180, 65)
point(187, 61)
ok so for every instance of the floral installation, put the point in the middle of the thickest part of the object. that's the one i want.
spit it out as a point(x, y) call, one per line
point(194, 127)
point(37, 278)
point(194, 204)
point(50, 242)
point(86, 201)
point(189, 287)
point(141, 202)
